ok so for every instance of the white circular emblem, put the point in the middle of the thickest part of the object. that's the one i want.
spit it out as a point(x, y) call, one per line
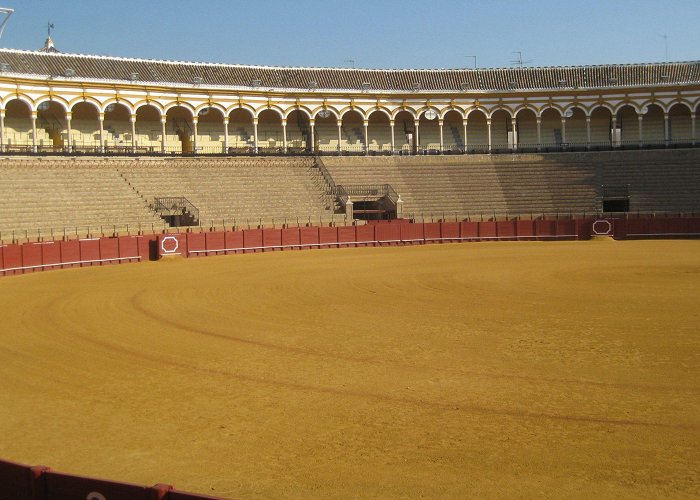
point(93, 495)
point(602, 227)
point(431, 114)
point(169, 244)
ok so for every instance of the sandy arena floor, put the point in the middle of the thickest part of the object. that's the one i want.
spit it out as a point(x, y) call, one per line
point(475, 370)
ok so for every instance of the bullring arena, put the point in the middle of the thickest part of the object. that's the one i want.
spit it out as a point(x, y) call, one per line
point(251, 281)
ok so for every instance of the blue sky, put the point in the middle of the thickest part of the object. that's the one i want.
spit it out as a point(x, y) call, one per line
point(375, 34)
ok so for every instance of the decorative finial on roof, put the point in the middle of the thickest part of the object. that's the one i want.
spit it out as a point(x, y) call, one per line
point(48, 44)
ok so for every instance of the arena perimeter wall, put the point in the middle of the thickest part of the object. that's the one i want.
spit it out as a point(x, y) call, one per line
point(48, 255)
point(22, 482)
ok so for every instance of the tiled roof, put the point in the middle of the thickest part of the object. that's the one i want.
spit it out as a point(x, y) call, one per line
point(85, 67)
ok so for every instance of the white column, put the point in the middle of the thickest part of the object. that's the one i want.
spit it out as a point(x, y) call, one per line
point(312, 124)
point(284, 135)
point(588, 133)
point(465, 135)
point(393, 140)
point(667, 138)
point(538, 119)
point(163, 138)
point(226, 134)
point(366, 124)
point(488, 126)
point(416, 139)
point(69, 117)
point(132, 119)
point(640, 119)
point(340, 134)
point(441, 122)
point(34, 138)
point(2, 130)
point(255, 135)
point(514, 127)
point(563, 131)
point(195, 121)
point(101, 121)
point(613, 132)
point(692, 128)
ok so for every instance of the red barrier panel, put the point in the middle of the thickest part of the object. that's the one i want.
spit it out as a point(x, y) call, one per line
point(272, 238)
point(488, 230)
point(412, 234)
point(346, 234)
point(566, 229)
point(16, 481)
point(196, 244)
point(51, 254)
point(584, 229)
point(431, 230)
point(694, 226)
point(506, 229)
point(55, 486)
point(172, 244)
point(525, 229)
point(637, 226)
point(328, 236)
point(308, 236)
point(144, 246)
point(70, 252)
point(387, 234)
point(109, 249)
point(290, 238)
point(234, 242)
point(31, 257)
point(215, 241)
point(252, 240)
point(677, 225)
point(129, 248)
point(545, 229)
point(449, 231)
point(364, 235)
point(90, 251)
point(619, 228)
point(469, 230)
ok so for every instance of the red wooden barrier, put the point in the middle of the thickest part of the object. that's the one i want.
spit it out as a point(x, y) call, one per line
point(308, 237)
point(525, 229)
point(637, 226)
point(431, 230)
point(290, 238)
point(129, 248)
point(468, 229)
point(172, 244)
point(196, 244)
point(328, 236)
point(70, 252)
point(506, 229)
point(584, 229)
point(215, 241)
point(16, 481)
point(412, 234)
point(109, 249)
point(677, 225)
point(449, 231)
point(234, 242)
point(55, 486)
point(90, 251)
point(488, 230)
point(566, 229)
point(252, 240)
point(346, 236)
point(272, 238)
point(387, 234)
point(51, 254)
point(364, 235)
point(694, 227)
point(545, 229)
point(31, 257)
point(144, 247)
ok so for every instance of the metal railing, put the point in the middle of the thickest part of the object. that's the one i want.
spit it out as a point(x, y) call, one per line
point(175, 205)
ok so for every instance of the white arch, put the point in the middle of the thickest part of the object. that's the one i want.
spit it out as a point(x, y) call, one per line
point(276, 109)
point(479, 109)
point(506, 110)
point(407, 109)
point(331, 109)
point(212, 105)
point(51, 99)
point(349, 109)
point(380, 110)
point(301, 109)
point(244, 107)
point(152, 104)
point(181, 104)
point(450, 109)
point(120, 102)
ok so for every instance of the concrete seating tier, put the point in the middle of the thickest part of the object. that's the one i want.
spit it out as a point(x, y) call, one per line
point(529, 183)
